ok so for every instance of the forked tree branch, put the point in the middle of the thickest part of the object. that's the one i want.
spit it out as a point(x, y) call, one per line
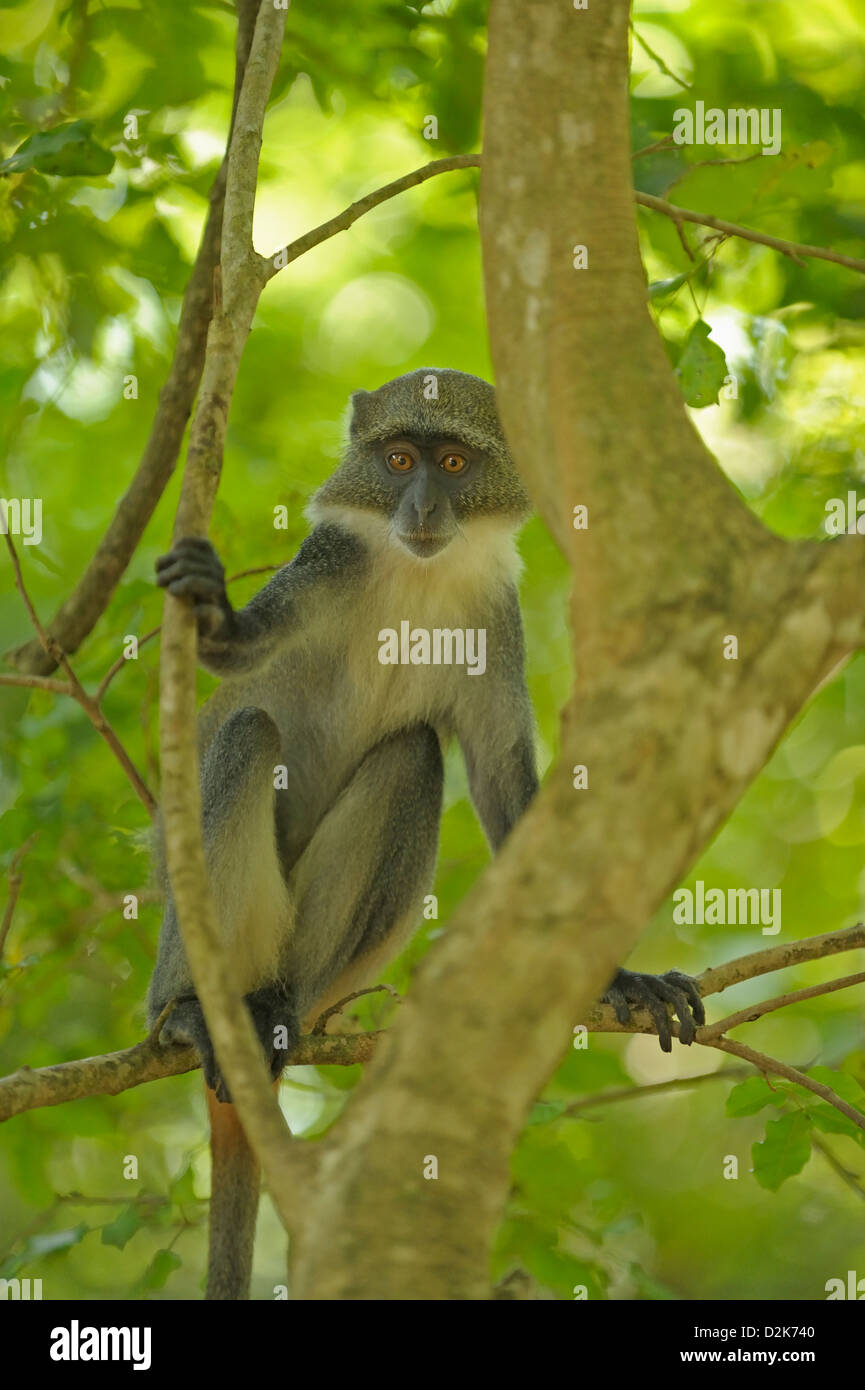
point(345, 219)
point(797, 251)
point(29, 1089)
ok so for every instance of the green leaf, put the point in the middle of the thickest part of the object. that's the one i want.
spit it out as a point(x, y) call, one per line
point(784, 1152)
point(560, 1271)
point(164, 1263)
point(843, 1083)
point(66, 150)
point(831, 1121)
point(659, 288)
point(58, 1240)
point(751, 1095)
point(122, 1228)
point(37, 1246)
point(702, 367)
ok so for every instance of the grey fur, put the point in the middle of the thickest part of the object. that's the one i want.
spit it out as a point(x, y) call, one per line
point(318, 883)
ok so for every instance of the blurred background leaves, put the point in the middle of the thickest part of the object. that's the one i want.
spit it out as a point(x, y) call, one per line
point(627, 1200)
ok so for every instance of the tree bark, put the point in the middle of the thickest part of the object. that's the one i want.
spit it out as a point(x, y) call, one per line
point(671, 732)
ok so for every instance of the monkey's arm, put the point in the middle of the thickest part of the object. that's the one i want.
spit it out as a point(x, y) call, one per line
point(501, 773)
point(496, 738)
point(495, 729)
point(231, 640)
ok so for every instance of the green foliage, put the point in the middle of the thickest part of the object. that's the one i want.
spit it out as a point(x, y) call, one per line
point(784, 1151)
point(702, 367)
point(99, 220)
point(160, 1269)
point(122, 1228)
point(65, 150)
point(753, 1095)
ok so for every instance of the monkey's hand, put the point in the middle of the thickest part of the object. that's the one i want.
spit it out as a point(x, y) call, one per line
point(656, 993)
point(193, 570)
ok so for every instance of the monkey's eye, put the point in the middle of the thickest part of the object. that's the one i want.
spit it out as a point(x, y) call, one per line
point(399, 461)
point(453, 463)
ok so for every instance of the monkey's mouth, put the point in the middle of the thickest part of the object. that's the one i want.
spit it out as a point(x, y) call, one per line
point(422, 543)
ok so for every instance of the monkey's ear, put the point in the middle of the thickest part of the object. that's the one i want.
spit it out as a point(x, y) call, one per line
point(360, 401)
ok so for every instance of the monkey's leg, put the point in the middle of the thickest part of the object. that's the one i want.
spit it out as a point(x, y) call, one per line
point(248, 888)
point(254, 909)
point(359, 884)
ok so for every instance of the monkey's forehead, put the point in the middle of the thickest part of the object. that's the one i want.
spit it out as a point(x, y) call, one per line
point(456, 431)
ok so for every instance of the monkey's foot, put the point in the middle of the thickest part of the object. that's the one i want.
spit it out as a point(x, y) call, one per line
point(274, 1016)
point(185, 1024)
point(656, 993)
point(275, 1021)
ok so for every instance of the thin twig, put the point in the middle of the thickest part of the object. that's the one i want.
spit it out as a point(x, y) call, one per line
point(77, 691)
point(755, 1011)
point(795, 250)
point(704, 163)
point(320, 1026)
point(851, 1179)
point(656, 58)
point(119, 664)
point(37, 683)
point(345, 219)
point(256, 569)
point(773, 1067)
point(148, 636)
point(720, 977)
point(666, 142)
point(676, 1083)
point(15, 881)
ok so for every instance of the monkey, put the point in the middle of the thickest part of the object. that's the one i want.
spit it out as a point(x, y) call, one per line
point(321, 764)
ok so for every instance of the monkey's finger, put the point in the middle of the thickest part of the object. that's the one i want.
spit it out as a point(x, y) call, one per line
point(192, 558)
point(661, 1020)
point(194, 545)
point(688, 988)
point(616, 998)
point(194, 586)
point(191, 562)
point(650, 993)
point(188, 564)
point(687, 1024)
point(671, 987)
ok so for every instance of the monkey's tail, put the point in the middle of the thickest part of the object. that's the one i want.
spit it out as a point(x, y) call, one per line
point(234, 1188)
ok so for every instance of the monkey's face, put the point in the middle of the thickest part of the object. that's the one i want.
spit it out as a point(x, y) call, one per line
point(429, 481)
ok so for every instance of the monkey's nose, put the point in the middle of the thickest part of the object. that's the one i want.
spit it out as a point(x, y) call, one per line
point(424, 507)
